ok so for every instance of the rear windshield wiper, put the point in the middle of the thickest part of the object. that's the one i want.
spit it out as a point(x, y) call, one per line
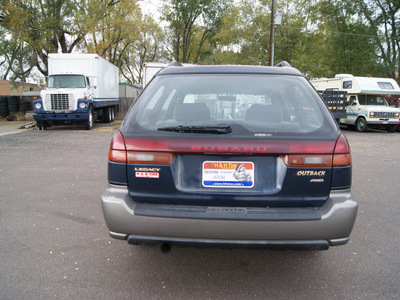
point(199, 129)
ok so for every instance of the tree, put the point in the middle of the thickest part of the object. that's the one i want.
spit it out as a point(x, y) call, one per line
point(106, 27)
point(383, 18)
point(112, 28)
point(149, 46)
point(46, 26)
point(186, 19)
point(334, 40)
point(244, 38)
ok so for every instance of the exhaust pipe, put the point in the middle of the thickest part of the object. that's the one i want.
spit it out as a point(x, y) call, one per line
point(165, 248)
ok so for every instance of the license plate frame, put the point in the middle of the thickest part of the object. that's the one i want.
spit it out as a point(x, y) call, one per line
point(228, 174)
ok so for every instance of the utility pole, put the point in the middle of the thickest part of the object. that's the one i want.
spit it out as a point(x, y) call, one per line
point(271, 37)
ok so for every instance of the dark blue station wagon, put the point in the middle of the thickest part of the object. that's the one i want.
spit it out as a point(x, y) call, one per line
point(230, 156)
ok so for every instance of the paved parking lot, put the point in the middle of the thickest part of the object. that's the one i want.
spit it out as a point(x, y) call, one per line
point(54, 243)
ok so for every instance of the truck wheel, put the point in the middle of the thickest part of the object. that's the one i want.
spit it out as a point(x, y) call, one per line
point(89, 121)
point(107, 114)
point(361, 125)
point(391, 128)
point(112, 113)
point(41, 125)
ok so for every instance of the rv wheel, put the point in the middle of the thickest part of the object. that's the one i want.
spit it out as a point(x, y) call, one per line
point(361, 125)
point(391, 128)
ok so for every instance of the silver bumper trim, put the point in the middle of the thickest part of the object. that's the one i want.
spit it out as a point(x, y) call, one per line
point(338, 215)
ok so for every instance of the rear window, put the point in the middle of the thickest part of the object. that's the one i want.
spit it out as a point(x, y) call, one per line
point(256, 105)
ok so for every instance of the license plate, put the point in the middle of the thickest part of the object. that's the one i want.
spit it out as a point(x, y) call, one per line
point(228, 174)
point(385, 122)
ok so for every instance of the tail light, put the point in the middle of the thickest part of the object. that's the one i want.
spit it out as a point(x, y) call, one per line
point(308, 160)
point(341, 173)
point(117, 151)
point(158, 152)
point(153, 158)
point(341, 154)
point(341, 157)
point(119, 154)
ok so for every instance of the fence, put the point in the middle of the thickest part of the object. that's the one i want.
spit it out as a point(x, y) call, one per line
point(14, 104)
point(124, 104)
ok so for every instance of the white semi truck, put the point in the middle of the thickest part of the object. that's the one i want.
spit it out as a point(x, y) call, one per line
point(80, 88)
point(367, 106)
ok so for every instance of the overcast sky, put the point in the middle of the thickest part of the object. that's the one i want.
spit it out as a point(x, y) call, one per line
point(151, 7)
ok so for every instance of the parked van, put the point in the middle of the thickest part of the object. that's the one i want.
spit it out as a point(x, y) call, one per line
point(366, 97)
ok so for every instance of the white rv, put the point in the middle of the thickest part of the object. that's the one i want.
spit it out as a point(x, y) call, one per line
point(151, 68)
point(367, 106)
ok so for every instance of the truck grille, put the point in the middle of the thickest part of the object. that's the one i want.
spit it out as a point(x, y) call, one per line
point(384, 115)
point(58, 102)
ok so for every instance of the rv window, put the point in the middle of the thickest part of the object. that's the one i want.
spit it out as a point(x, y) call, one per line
point(353, 100)
point(376, 100)
point(362, 99)
point(386, 85)
point(347, 84)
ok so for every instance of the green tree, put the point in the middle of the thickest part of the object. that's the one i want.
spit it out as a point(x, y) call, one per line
point(149, 46)
point(348, 44)
point(244, 38)
point(46, 26)
point(112, 26)
point(106, 27)
point(383, 18)
point(186, 19)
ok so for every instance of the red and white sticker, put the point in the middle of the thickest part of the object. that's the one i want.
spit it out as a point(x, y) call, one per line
point(147, 174)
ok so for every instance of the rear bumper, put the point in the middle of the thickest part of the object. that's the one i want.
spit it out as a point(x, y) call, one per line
point(333, 227)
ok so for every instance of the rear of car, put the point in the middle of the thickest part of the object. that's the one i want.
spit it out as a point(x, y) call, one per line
point(230, 156)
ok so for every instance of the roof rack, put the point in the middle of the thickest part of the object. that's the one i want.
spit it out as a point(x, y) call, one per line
point(283, 63)
point(175, 64)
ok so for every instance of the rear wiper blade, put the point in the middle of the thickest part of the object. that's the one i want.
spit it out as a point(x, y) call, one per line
point(199, 129)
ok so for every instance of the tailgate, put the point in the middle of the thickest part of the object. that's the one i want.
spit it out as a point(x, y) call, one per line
point(229, 180)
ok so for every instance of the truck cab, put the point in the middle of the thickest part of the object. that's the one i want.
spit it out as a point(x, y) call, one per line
point(371, 110)
point(64, 92)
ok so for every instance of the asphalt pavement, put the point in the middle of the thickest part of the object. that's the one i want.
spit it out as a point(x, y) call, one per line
point(54, 243)
point(7, 128)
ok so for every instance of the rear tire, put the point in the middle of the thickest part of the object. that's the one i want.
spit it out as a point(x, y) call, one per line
point(391, 128)
point(361, 125)
point(112, 113)
point(107, 114)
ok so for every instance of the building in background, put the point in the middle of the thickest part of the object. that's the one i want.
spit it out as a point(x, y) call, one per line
point(11, 88)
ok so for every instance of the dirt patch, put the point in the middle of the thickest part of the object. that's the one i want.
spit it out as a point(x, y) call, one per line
point(17, 117)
